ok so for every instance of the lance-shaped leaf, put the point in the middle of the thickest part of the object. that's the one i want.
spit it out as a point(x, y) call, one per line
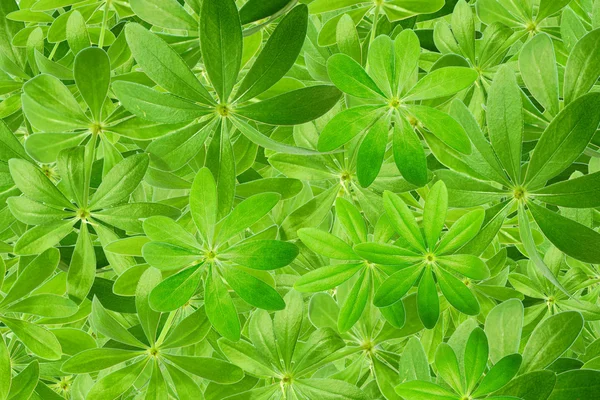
point(564, 139)
point(82, 269)
point(155, 106)
point(572, 238)
point(167, 14)
point(372, 152)
point(164, 66)
point(50, 106)
point(175, 290)
point(278, 55)
point(294, 107)
point(35, 184)
point(582, 69)
point(345, 125)
point(253, 290)
point(409, 154)
point(550, 339)
point(36, 338)
point(219, 307)
point(118, 184)
point(114, 384)
point(443, 126)
point(221, 44)
point(326, 278)
point(505, 121)
point(579, 192)
point(351, 78)
point(539, 72)
point(262, 254)
point(441, 83)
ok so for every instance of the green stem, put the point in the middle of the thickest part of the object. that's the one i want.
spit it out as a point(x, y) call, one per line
point(166, 328)
point(104, 23)
point(89, 162)
point(54, 49)
point(374, 28)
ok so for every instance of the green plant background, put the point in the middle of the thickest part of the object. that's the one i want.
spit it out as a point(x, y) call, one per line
point(314, 199)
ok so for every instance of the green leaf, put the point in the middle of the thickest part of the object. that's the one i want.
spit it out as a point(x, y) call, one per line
point(34, 184)
point(457, 293)
point(175, 290)
point(325, 278)
point(345, 125)
point(419, 390)
point(403, 221)
point(503, 327)
point(116, 383)
point(499, 375)
point(92, 76)
point(45, 305)
point(245, 214)
point(106, 324)
point(208, 368)
point(149, 318)
point(505, 121)
point(221, 44)
point(443, 126)
point(372, 152)
point(120, 182)
point(428, 302)
point(50, 106)
point(465, 264)
point(33, 275)
point(43, 237)
point(576, 384)
point(446, 363)
point(278, 55)
point(37, 339)
point(434, 213)
point(262, 254)
point(441, 83)
point(219, 307)
point(579, 192)
point(550, 339)
point(326, 244)
point(93, 360)
point(476, 357)
point(82, 269)
point(356, 302)
point(539, 73)
point(396, 286)
point(77, 33)
point(5, 370)
point(245, 356)
point(163, 65)
point(581, 70)
point(294, 107)
point(572, 238)
point(203, 203)
point(347, 38)
point(253, 290)
point(564, 139)
point(287, 324)
point(330, 389)
point(25, 382)
point(155, 106)
point(409, 154)
point(461, 232)
point(165, 14)
point(351, 78)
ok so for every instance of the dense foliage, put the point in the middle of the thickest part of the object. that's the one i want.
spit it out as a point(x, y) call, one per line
point(300, 200)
